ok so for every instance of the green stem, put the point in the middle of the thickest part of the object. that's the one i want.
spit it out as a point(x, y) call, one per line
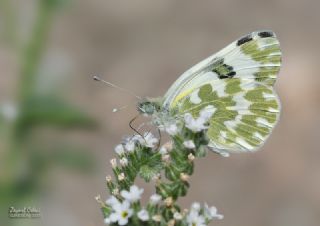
point(32, 54)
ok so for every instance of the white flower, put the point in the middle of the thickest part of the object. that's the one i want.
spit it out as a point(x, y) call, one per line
point(207, 112)
point(177, 216)
point(107, 220)
point(211, 212)
point(121, 213)
point(112, 201)
point(138, 138)
point(171, 129)
point(133, 195)
point(123, 161)
point(196, 125)
point(155, 199)
point(189, 144)
point(119, 149)
point(163, 150)
point(130, 145)
point(149, 140)
point(196, 206)
point(143, 215)
point(166, 148)
point(194, 219)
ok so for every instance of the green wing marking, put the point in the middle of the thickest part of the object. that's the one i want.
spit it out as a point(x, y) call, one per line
point(266, 55)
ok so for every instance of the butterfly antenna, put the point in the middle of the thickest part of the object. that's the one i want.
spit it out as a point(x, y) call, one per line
point(97, 78)
point(115, 110)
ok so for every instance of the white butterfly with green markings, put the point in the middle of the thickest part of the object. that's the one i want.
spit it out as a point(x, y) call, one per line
point(237, 83)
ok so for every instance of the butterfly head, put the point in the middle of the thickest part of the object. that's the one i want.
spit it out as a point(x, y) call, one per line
point(149, 106)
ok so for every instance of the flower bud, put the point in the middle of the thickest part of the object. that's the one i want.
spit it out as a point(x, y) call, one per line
point(108, 179)
point(113, 163)
point(115, 191)
point(121, 177)
point(168, 201)
point(166, 158)
point(156, 218)
point(98, 198)
point(168, 146)
point(191, 157)
point(184, 212)
point(184, 176)
point(171, 223)
point(156, 177)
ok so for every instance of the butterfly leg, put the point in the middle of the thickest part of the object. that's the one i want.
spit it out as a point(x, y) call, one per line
point(131, 126)
point(159, 142)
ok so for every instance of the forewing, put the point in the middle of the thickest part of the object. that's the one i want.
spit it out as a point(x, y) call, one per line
point(254, 58)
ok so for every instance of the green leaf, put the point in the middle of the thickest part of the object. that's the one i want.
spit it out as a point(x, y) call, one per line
point(179, 189)
point(164, 190)
point(167, 213)
point(106, 211)
point(147, 172)
point(172, 173)
point(149, 163)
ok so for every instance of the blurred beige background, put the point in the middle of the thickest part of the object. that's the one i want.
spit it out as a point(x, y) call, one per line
point(144, 46)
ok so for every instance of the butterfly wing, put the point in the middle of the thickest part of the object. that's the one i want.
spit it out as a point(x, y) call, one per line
point(255, 57)
point(238, 83)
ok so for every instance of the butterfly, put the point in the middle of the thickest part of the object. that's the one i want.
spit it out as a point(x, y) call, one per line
point(237, 82)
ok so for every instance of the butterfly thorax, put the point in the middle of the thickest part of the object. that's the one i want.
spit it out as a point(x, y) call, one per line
point(154, 108)
point(149, 106)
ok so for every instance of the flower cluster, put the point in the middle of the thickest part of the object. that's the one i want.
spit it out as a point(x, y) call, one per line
point(169, 166)
point(129, 210)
